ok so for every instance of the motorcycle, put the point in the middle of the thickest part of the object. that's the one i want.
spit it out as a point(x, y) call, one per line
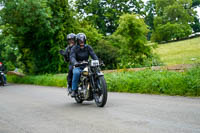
point(2, 78)
point(92, 85)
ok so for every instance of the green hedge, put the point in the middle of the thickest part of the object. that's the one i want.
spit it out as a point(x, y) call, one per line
point(147, 81)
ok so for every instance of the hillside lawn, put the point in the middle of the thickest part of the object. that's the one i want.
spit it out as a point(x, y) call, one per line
point(181, 52)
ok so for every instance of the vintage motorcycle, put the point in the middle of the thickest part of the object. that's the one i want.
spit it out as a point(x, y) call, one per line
point(2, 82)
point(92, 85)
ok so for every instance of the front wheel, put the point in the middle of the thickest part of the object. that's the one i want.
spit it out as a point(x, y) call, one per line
point(101, 95)
point(78, 99)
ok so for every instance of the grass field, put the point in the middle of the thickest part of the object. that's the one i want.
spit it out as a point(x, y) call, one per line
point(181, 52)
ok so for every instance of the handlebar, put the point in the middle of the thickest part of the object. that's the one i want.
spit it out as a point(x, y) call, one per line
point(81, 64)
point(86, 63)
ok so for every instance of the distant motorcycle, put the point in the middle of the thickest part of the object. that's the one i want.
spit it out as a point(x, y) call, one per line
point(2, 82)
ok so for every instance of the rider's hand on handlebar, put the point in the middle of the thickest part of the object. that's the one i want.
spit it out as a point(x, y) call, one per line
point(80, 64)
point(76, 64)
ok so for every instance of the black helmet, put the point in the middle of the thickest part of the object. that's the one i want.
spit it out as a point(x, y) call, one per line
point(71, 36)
point(82, 37)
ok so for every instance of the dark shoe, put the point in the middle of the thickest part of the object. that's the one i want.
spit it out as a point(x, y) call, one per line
point(69, 89)
point(73, 94)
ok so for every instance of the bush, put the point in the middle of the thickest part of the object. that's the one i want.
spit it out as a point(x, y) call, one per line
point(127, 62)
point(108, 53)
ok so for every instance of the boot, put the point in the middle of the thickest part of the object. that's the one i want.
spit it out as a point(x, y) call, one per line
point(73, 94)
point(69, 88)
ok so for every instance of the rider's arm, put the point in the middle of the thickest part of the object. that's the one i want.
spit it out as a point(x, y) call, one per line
point(92, 54)
point(73, 56)
point(66, 54)
point(2, 68)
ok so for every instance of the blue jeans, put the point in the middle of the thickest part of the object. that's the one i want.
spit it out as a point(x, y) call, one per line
point(76, 75)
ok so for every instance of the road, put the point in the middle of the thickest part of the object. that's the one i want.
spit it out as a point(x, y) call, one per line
point(39, 109)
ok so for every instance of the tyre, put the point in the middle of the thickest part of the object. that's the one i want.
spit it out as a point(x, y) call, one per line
point(101, 95)
point(78, 99)
point(2, 81)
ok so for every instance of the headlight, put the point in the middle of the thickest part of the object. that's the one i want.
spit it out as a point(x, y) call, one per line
point(85, 71)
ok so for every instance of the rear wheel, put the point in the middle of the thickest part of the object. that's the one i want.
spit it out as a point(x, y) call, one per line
point(101, 95)
point(1, 80)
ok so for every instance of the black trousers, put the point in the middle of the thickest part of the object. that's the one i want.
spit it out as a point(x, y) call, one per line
point(70, 75)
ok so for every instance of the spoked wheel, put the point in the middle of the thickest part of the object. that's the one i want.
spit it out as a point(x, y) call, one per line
point(78, 99)
point(101, 95)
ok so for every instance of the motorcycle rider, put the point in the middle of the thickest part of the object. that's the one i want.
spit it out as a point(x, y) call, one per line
point(79, 53)
point(71, 39)
point(3, 69)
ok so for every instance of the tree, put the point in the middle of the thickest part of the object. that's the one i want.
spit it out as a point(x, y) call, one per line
point(104, 14)
point(133, 29)
point(150, 13)
point(171, 13)
point(195, 3)
point(196, 24)
point(9, 53)
point(39, 27)
point(92, 34)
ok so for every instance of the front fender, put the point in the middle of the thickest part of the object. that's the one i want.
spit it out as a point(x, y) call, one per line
point(99, 74)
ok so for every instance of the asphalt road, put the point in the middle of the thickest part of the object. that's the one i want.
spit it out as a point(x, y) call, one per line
point(38, 109)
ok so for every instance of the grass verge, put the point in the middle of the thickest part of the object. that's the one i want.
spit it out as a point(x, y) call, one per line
point(147, 81)
point(45, 80)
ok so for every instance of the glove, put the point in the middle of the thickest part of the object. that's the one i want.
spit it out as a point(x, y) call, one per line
point(76, 64)
point(62, 52)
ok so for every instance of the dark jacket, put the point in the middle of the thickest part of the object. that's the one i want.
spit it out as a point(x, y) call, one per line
point(77, 54)
point(2, 68)
point(67, 53)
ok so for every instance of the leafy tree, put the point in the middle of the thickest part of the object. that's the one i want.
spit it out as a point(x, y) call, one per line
point(150, 13)
point(39, 27)
point(195, 3)
point(104, 14)
point(196, 24)
point(9, 53)
point(172, 13)
point(133, 29)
